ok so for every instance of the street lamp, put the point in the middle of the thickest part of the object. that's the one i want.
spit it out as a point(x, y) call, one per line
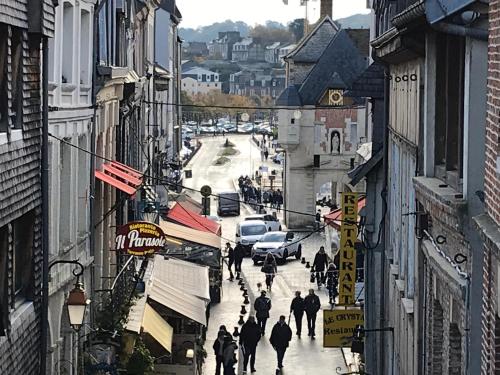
point(77, 304)
point(150, 213)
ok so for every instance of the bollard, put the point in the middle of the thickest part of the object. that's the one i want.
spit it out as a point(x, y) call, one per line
point(243, 310)
point(245, 292)
point(240, 282)
point(242, 287)
point(308, 265)
point(236, 333)
point(241, 321)
point(246, 301)
point(303, 261)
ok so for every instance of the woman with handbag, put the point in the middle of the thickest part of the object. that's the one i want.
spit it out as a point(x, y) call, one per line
point(332, 282)
point(270, 268)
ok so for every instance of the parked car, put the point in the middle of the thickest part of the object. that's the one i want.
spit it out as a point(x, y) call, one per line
point(208, 129)
point(280, 244)
point(278, 158)
point(249, 232)
point(272, 223)
point(228, 203)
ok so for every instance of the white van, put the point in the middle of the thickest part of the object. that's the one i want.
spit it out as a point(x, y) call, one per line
point(273, 224)
point(249, 232)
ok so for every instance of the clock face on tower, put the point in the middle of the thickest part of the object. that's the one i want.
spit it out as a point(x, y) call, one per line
point(335, 97)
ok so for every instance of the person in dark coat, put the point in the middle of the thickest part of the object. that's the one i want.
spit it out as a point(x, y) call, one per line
point(280, 338)
point(312, 305)
point(230, 260)
point(229, 356)
point(320, 263)
point(249, 338)
point(239, 254)
point(332, 282)
point(262, 307)
point(279, 200)
point(219, 347)
point(297, 308)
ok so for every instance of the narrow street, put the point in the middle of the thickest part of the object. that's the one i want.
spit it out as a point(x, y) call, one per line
point(304, 356)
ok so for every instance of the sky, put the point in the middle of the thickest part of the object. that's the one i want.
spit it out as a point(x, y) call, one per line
point(205, 12)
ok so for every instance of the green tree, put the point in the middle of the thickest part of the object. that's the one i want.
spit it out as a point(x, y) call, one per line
point(296, 27)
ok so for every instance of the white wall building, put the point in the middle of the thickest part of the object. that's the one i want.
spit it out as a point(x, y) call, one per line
point(200, 81)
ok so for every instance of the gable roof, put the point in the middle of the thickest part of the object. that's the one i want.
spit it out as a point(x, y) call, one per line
point(289, 98)
point(370, 84)
point(339, 65)
point(311, 46)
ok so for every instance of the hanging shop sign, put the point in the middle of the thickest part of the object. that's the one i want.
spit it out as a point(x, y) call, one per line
point(339, 325)
point(140, 238)
point(347, 261)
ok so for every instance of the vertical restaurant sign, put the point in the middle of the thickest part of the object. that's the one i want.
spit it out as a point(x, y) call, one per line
point(347, 260)
point(339, 325)
point(139, 238)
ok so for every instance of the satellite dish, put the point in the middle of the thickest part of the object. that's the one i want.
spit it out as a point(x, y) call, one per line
point(297, 115)
point(245, 117)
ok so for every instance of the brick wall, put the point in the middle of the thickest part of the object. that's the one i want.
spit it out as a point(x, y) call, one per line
point(20, 192)
point(492, 180)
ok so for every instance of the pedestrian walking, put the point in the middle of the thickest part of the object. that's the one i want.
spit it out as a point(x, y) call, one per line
point(311, 307)
point(219, 347)
point(262, 307)
point(320, 263)
point(297, 308)
point(261, 154)
point(230, 260)
point(229, 356)
point(266, 152)
point(249, 338)
point(270, 269)
point(279, 200)
point(280, 338)
point(239, 254)
point(332, 283)
point(317, 221)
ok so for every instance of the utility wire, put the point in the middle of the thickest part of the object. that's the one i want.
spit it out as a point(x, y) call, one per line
point(256, 108)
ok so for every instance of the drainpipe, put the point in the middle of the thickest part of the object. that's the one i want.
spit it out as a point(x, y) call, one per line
point(45, 206)
point(458, 30)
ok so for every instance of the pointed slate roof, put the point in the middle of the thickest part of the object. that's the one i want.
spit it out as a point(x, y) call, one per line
point(290, 97)
point(338, 67)
point(311, 46)
point(370, 84)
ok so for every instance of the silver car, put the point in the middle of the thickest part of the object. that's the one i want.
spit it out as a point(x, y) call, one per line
point(280, 244)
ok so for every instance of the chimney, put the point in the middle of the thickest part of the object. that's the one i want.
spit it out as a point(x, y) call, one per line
point(326, 8)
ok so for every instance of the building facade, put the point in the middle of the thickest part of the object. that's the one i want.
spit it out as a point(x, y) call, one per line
point(222, 47)
point(261, 83)
point(488, 223)
point(321, 140)
point(200, 81)
point(21, 250)
point(430, 181)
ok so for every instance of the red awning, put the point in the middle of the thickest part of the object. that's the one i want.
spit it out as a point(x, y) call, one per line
point(334, 218)
point(182, 215)
point(120, 176)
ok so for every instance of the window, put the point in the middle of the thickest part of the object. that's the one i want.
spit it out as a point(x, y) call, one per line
point(4, 250)
point(67, 44)
point(84, 47)
point(17, 77)
point(449, 108)
point(22, 241)
point(65, 216)
point(4, 98)
point(354, 134)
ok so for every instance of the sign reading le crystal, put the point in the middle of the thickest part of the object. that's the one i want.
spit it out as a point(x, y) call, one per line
point(206, 191)
point(139, 238)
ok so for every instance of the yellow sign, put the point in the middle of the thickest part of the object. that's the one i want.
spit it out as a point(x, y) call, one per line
point(347, 261)
point(338, 326)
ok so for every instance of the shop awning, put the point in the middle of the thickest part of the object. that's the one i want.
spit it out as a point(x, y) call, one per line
point(177, 232)
point(143, 318)
point(334, 218)
point(120, 176)
point(179, 301)
point(180, 214)
point(161, 331)
point(186, 276)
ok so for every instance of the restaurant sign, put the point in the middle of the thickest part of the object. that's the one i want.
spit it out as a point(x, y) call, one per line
point(140, 238)
point(347, 259)
point(339, 325)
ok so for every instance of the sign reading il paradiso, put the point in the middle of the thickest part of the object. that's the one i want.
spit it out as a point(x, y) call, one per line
point(140, 238)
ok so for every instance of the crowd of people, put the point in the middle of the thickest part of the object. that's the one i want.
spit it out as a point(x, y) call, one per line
point(256, 196)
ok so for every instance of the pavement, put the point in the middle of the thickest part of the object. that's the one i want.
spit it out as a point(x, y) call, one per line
point(304, 356)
